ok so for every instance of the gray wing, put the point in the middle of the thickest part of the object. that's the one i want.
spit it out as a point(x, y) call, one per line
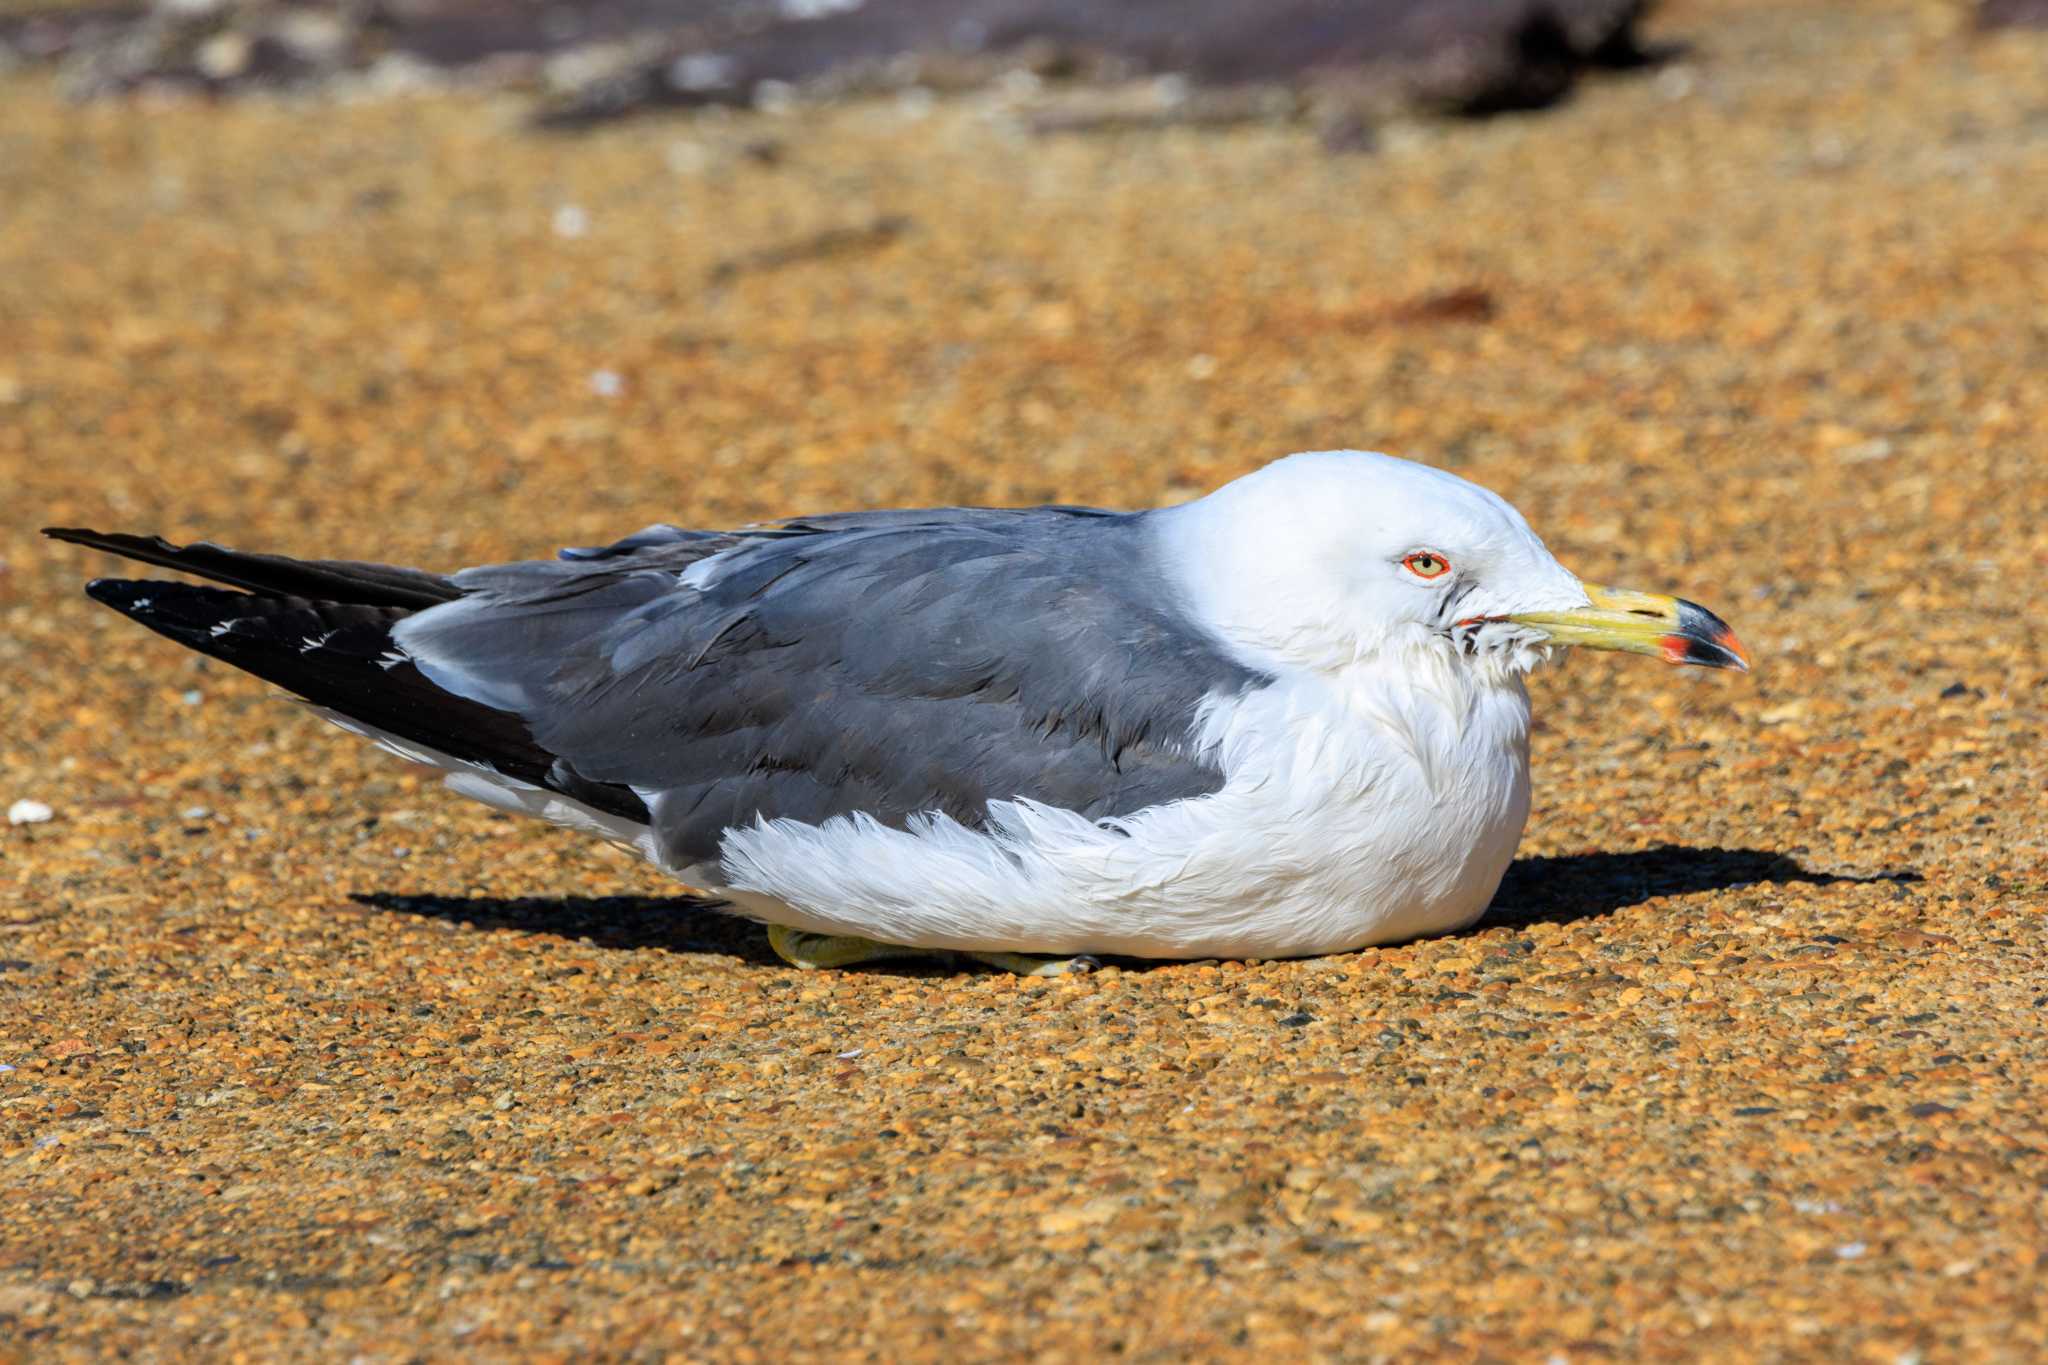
point(890, 663)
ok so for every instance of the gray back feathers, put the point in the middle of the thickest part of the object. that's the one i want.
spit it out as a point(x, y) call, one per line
point(889, 663)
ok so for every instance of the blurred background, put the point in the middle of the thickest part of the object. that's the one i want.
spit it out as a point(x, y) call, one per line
point(449, 262)
point(1736, 299)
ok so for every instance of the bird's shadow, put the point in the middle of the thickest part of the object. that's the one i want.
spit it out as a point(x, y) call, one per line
point(1552, 889)
point(671, 924)
point(1560, 888)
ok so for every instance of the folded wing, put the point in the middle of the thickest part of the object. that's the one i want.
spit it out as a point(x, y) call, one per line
point(887, 663)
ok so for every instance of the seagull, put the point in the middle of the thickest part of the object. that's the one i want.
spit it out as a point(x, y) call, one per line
point(1281, 720)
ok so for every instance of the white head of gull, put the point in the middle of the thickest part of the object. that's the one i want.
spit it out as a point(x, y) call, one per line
point(1336, 561)
point(1286, 718)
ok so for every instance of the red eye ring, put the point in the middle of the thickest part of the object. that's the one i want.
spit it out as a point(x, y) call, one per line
point(1426, 564)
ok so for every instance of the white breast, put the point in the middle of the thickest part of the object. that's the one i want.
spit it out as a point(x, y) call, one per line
point(1359, 809)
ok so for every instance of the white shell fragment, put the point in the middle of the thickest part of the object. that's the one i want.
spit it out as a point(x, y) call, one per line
point(26, 812)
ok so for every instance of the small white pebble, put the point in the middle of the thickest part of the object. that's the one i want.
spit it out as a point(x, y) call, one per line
point(1170, 90)
point(849, 1056)
point(223, 56)
point(571, 221)
point(1676, 82)
point(1849, 1251)
point(195, 812)
point(702, 71)
point(1867, 452)
point(192, 697)
point(685, 157)
point(607, 383)
point(26, 812)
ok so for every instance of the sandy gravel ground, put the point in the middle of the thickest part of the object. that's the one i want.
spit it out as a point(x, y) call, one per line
point(299, 1057)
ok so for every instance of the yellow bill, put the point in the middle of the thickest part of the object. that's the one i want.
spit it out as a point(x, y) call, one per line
point(1673, 629)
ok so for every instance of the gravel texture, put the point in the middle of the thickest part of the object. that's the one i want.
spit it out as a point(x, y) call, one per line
point(300, 1057)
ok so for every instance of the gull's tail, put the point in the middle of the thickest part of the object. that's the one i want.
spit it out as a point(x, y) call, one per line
point(321, 629)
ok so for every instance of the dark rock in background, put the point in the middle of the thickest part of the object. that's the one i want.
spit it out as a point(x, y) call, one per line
point(603, 60)
point(2013, 14)
point(1471, 56)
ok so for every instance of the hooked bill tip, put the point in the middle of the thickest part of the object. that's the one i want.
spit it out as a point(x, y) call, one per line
point(1702, 652)
point(1704, 640)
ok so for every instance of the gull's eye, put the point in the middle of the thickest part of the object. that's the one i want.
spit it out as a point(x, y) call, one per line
point(1426, 564)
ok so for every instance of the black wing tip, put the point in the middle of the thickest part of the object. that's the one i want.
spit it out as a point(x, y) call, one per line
point(284, 641)
point(118, 593)
point(167, 607)
point(85, 535)
point(147, 549)
point(274, 576)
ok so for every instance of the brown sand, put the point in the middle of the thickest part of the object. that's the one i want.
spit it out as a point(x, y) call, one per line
point(1749, 1062)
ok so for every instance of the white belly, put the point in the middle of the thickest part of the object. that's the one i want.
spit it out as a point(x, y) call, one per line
point(1354, 812)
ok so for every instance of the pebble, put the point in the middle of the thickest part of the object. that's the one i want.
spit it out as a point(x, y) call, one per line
point(571, 221)
point(28, 812)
